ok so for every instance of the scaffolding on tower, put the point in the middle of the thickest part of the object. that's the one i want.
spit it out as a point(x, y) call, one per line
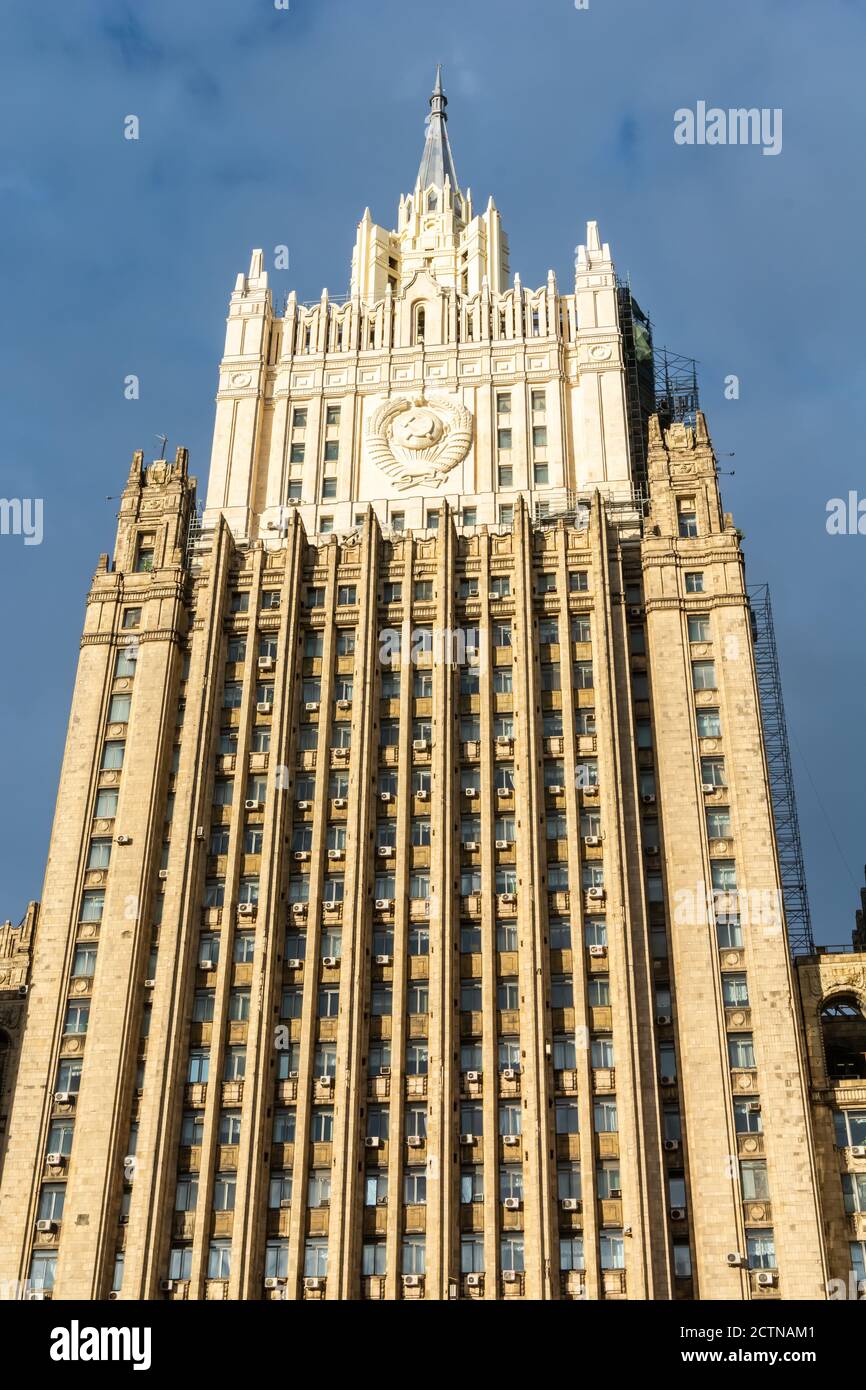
point(795, 896)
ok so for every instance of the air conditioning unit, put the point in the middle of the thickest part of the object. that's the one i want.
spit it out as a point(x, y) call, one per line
point(326, 1081)
point(471, 792)
point(149, 984)
point(275, 1283)
point(372, 1142)
point(264, 707)
point(507, 898)
point(340, 803)
point(467, 1139)
point(471, 593)
point(678, 1213)
point(509, 1276)
point(253, 805)
point(384, 1071)
point(592, 841)
point(246, 909)
point(414, 1141)
point(511, 1141)
point(163, 873)
point(708, 787)
point(336, 854)
point(765, 1279)
point(512, 1204)
point(302, 855)
point(509, 1073)
point(615, 1193)
point(470, 846)
point(651, 850)
point(385, 851)
point(383, 960)
point(504, 740)
point(668, 1080)
point(299, 909)
point(473, 1076)
point(384, 903)
point(124, 839)
point(420, 745)
point(166, 1285)
point(341, 753)
point(344, 704)
point(411, 1281)
point(295, 963)
point(556, 789)
point(266, 663)
point(663, 1020)
point(502, 844)
point(473, 1281)
point(591, 791)
point(304, 805)
point(207, 965)
point(330, 961)
point(54, 1160)
point(45, 1227)
point(671, 1146)
point(312, 1284)
point(734, 1258)
point(570, 1204)
point(311, 706)
point(649, 798)
point(856, 1150)
point(199, 832)
point(423, 795)
point(386, 796)
point(595, 893)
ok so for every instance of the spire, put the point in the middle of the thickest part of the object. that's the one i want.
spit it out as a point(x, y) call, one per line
point(437, 162)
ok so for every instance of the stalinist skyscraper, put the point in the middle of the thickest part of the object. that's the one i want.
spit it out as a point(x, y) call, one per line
point(411, 926)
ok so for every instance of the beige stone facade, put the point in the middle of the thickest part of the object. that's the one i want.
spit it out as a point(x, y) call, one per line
point(411, 927)
point(16, 947)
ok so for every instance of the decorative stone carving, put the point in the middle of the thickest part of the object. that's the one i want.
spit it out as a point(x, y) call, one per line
point(418, 440)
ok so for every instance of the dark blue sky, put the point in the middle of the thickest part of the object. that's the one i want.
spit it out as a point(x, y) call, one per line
point(261, 127)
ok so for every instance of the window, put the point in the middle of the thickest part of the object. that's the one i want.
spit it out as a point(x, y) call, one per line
point(735, 989)
point(688, 527)
point(850, 1128)
point(566, 1117)
point(235, 1065)
point(713, 772)
point(413, 1255)
point(145, 552)
point(284, 1126)
point(51, 1199)
point(853, 1192)
point(709, 724)
point(699, 627)
point(598, 991)
point(724, 876)
point(741, 1050)
point(704, 675)
point(694, 582)
point(415, 1187)
point(112, 756)
point(761, 1249)
point(224, 1192)
point(316, 1258)
point(131, 617)
point(60, 1137)
point(747, 1116)
point(602, 1052)
point(605, 1117)
point(503, 437)
point(219, 1259)
point(578, 581)
point(43, 1266)
point(322, 1127)
point(753, 1179)
point(92, 904)
point(105, 807)
point(511, 1253)
point(118, 710)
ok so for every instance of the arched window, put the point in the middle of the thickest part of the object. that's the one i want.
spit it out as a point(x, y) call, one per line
point(420, 323)
point(844, 1030)
point(432, 200)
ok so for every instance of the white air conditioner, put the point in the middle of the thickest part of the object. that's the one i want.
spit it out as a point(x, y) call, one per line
point(411, 1281)
point(471, 792)
point(502, 844)
point(473, 1076)
point(511, 1140)
point(336, 854)
point(384, 903)
point(340, 803)
point(507, 898)
point(708, 787)
point(420, 745)
point(207, 965)
point(266, 663)
point(386, 796)
point(372, 1142)
point(598, 951)
point(45, 1226)
point(504, 740)
point(856, 1150)
point(312, 1284)
point(734, 1258)
point(504, 791)
point(470, 846)
point(615, 1194)
point(341, 753)
point(512, 1204)
point(163, 873)
point(509, 1073)
point(671, 1146)
point(648, 798)
point(668, 1080)
point(384, 1071)
point(590, 791)
point(570, 1204)
point(149, 984)
point(595, 893)
point(414, 1141)
point(54, 1160)
point(471, 593)
point(383, 960)
point(304, 805)
point(264, 707)
point(326, 1081)
point(467, 1139)
point(275, 1283)
point(385, 851)
point(473, 1281)
point(663, 1020)
point(63, 1097)
point(246, 909)
point(765, 1279)
point(285, 1203)
point(330, 961)
point(423, 795)
point(124, 839)
point(592, 841)
point(299, 909)
point(344, 704)
point(166, 1285)
point(556, 789)
point(311, 706)
point(509, 1276)
point(678, 1213)
point(295, 963)
point(199, 832)
point(302, 855)
point(252, 805)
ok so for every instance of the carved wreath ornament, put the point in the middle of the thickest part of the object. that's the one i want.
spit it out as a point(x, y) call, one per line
point(415, 440)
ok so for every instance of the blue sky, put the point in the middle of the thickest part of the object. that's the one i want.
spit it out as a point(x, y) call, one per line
point(261, 127)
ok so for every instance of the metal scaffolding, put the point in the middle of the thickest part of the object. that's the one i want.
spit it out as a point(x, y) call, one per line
point(795, 895)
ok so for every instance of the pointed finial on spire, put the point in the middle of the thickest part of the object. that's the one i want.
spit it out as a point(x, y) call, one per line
point(437, 162)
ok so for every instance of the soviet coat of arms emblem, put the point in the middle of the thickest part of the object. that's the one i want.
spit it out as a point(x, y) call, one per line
point(415, 440)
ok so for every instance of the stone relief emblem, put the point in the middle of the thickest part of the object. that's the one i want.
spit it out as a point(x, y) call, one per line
point(418, 440)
